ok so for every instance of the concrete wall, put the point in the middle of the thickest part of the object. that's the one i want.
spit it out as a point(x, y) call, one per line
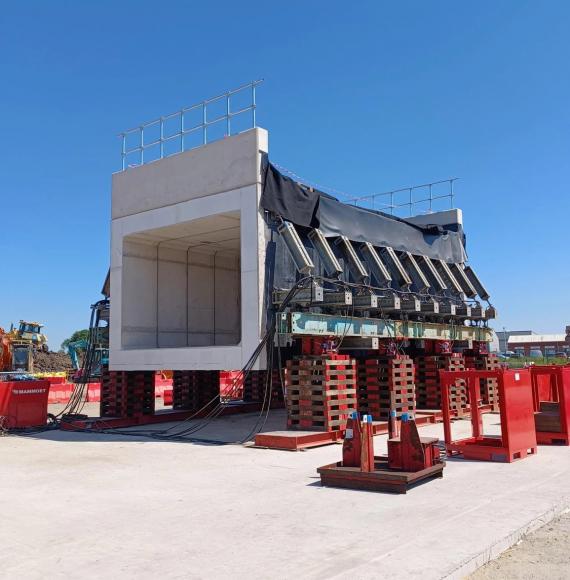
point(438, 218)
point(179, 298)
point(185, 293)
point(138, 314)
point(214, 168)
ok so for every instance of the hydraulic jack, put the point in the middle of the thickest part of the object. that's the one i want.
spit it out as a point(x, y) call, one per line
point(411, 459)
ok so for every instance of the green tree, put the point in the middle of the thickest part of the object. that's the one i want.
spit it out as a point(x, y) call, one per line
point(77, 335)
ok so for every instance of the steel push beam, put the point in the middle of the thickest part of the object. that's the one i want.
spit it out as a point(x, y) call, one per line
point(402, 278)
point(331, 264)
point(296, 248)
point(377, 267)
point(414, 271)
point(428, 268)
point(299, 324)
point(355, 265)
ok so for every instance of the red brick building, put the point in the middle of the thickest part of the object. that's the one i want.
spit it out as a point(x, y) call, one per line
point(547, 344)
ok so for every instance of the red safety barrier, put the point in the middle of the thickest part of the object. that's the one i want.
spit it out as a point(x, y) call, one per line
point(24, 403)
point(161, 383)
point(55, 380)
point(231, 384)
point(93, 393)
point(60, 393)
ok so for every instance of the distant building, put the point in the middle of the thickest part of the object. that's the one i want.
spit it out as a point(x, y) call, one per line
point(503, 336)
point(547, 344)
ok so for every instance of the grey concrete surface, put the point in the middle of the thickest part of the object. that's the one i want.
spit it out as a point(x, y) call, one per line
point(222, 165)
point(95, 506)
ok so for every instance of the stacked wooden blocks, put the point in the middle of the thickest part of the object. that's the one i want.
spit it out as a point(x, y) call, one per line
point(428, 385)
point(127, 393)
point(194, 390)
point(489, 387)
point(254, 386)
point(321, 392)
point(384, 384)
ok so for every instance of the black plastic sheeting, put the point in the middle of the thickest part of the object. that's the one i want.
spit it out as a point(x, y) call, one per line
point(315, 209)
point(284, 197)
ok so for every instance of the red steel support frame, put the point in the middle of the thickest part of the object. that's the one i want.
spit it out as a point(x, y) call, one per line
point(560, 390)
point(518, 436)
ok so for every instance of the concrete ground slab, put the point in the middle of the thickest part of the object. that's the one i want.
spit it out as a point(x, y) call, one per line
point(107, 505)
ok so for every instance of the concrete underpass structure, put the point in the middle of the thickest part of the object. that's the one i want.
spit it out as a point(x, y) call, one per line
point(195, 257)
point(188, 257)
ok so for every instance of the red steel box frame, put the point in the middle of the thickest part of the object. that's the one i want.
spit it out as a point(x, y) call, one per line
point(24, 403)
point(518, 435)
point(559, 378)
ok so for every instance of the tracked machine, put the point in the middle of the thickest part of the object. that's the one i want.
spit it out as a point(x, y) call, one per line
point(15, 353)
point(30, 332)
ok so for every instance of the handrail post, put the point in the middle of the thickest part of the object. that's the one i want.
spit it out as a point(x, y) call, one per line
point(253, 105)
point(181, 131)
point(228, 125)
point(161, 137)
point(204, 123)
point(124, 150)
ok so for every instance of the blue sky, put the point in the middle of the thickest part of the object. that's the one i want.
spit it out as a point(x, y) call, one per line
point(367, 97)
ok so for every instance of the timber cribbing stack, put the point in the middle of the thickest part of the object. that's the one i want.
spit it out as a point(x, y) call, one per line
point(321, 392)
point(428, 385)
point(489, 387)
point(386, 383)
point(192, 390)
point(254, 386)
point(127, 393)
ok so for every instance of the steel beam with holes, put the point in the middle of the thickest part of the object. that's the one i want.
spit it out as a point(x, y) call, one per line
point(314, 324)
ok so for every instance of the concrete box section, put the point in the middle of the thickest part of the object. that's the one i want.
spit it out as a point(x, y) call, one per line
point(187, 259)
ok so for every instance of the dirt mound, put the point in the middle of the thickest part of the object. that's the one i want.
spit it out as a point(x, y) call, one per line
point(45, 362)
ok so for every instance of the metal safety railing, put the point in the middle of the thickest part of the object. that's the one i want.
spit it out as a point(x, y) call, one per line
point(172, 130)
point(425, 197)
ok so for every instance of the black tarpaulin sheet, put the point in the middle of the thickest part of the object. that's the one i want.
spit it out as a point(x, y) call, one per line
point(285, 198)
point(303, 207)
